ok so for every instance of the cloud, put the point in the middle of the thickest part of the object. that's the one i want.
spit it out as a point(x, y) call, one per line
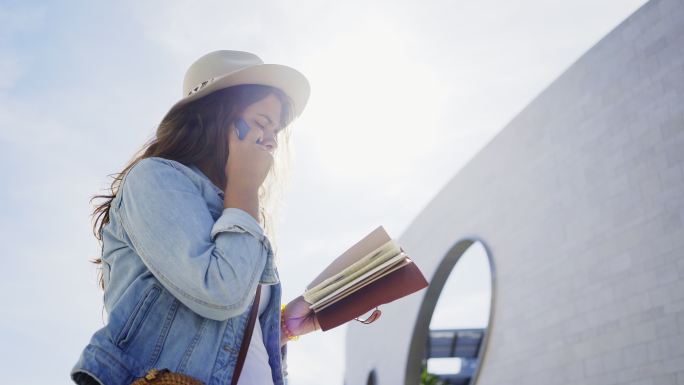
point(16, 21)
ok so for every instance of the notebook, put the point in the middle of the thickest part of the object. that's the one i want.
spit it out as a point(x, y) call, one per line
point(374, 271)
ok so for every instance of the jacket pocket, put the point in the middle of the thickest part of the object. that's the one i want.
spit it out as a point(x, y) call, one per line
point(137, 316)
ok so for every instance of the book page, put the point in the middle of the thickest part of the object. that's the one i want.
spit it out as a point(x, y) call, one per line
point(367, 282)
point(376, 253)
point(379, 256)
point(365, 246)
point(360, 280)
point(367, 278)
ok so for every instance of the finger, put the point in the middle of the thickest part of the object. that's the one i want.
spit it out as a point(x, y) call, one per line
point(232, 133)
point(317, 326)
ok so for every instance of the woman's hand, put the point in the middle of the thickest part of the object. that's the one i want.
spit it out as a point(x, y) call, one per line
point(248, 161)
point(299, 318)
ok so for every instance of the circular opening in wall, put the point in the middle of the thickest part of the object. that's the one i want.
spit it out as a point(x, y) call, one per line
point(450, 336)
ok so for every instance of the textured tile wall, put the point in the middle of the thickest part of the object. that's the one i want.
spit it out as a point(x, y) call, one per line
point(580, 199)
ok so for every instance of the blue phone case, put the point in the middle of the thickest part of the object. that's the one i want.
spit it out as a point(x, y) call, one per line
point(242, 128)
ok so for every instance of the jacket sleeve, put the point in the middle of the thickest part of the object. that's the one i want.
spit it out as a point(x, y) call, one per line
point(213, 267)
point(283, 354)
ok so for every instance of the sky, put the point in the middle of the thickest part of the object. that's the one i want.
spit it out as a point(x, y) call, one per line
point(403, 94)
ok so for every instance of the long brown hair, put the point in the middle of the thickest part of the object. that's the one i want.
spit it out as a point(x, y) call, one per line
point(197, 134)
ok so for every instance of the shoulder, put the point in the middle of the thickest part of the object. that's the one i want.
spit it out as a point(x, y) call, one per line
point(155, 173)
point(155, 164)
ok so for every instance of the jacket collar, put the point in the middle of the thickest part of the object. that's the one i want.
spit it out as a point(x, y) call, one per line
point(200, 173)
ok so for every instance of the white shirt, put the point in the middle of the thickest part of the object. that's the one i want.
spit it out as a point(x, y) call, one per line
point(256, 369)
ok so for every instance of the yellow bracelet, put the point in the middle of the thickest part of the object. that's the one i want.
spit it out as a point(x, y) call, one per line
point(289, 335)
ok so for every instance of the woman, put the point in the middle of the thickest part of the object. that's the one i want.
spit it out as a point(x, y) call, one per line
point(183, 232)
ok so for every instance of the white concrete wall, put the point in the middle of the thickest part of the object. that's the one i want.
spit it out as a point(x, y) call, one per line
point(580, 200)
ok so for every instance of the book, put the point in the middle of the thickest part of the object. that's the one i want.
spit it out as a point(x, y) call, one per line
point(374, 271)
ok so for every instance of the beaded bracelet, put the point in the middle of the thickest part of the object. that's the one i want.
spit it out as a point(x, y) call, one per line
point(289, 335)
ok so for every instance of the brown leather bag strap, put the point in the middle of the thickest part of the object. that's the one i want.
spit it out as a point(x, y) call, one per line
point(247, 338)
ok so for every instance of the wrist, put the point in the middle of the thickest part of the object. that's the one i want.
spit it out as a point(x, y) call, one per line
point(246, 199)
point(284, 330)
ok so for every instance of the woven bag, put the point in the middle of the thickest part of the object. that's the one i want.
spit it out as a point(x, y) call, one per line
point(166, 377)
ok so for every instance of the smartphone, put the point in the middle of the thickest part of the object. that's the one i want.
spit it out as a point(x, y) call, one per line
point(241, 127)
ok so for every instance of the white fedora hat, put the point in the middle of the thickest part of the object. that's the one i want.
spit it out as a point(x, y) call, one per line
point(225, 68)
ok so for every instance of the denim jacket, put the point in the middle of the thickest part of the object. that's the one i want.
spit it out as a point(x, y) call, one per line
point(180, 275)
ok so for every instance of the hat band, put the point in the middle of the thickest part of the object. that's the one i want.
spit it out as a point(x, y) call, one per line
point(200, 86)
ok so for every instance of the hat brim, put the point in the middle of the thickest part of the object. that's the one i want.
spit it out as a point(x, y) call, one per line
point(288, 79)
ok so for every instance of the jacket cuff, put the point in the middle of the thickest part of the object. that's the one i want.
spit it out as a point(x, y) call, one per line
point(235, 219)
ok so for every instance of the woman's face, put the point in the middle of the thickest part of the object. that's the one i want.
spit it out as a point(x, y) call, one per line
point(264, 116)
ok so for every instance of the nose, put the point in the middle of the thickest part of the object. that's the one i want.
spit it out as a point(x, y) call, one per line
point(268, 141)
